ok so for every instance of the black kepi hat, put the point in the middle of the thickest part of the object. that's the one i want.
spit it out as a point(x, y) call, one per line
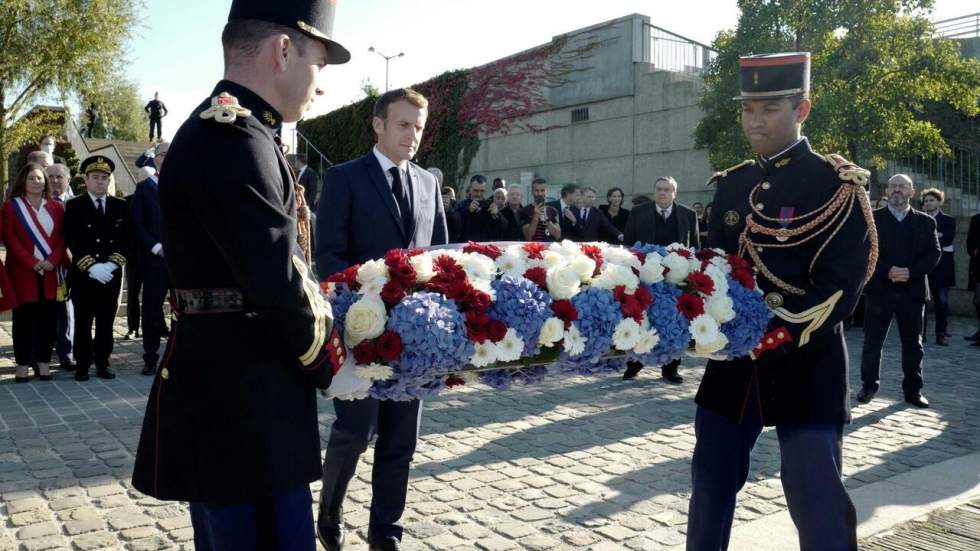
point(97, 163)
point(773, 76)
point(313, 18)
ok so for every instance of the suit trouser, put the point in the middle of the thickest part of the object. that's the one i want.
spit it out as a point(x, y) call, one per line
point(283, 523)
point(156, 123)
point(98, 302)
point(134, 283)
point(155, 282)
point(878, 313)
point(810, 472)
point(396, 425)
point(940, 306)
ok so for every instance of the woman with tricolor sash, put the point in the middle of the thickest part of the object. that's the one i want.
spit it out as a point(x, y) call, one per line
point(32, 232)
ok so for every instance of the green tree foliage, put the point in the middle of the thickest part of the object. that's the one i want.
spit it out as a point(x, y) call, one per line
point(876, 71)
point(121, 115)
point(54, 48)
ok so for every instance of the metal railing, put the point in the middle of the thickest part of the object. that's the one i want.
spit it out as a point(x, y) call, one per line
point(314, 157)
point(672, 52)
point(964, 26)
point(958, 175)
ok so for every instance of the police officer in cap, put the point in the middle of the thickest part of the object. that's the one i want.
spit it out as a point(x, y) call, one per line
point(97, 232)
point(804, 222)
point(231, 420)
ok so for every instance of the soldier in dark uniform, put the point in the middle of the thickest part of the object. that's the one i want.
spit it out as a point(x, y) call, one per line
point(804, 221)
point(231, 420)
point(97, 232)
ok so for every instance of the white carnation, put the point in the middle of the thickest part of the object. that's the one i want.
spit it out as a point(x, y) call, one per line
point(372, 276)
point(704, 329)
point(574, 343)
point(583, 266)
point(365, 319)
point(478, 267)
point(563, 283)
point(652, 270)
point(485, 354)
point(422, 264)
point(511, 347)
point(678, 267)
point(551, 332)
point(720, 307)
point(374, 372)
point(717, 275)
point(512, 263)
point(627, 334)
point(648, 341)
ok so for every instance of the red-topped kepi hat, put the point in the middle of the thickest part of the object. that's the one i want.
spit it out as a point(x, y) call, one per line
point(772, 76)
point(313, 18)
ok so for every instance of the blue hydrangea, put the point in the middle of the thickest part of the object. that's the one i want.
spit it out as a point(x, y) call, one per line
point(341, 303)
point(598, 315)
point(671, 325)
point(503, 379)
point(522, 306)
point(752, 317)
point(647, 248)
point(434, 341)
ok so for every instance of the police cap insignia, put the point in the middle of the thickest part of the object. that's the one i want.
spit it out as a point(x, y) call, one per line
point(97, 163)
point(732, 217)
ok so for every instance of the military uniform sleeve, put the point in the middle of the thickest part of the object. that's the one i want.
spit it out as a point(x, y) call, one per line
point(124, 241)
point(245, 214)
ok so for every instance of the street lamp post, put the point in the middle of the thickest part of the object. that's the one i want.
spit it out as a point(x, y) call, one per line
point(387, 59)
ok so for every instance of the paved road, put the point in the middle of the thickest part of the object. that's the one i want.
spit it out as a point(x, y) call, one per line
point(581, 463)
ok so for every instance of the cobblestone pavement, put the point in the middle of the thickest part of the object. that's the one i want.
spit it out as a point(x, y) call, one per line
point(581, 463)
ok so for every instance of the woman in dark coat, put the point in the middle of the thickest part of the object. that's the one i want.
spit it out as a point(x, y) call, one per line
point(614, 211)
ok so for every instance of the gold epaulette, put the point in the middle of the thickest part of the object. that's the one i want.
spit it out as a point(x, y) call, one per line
point(723, 173)
point(847, 171)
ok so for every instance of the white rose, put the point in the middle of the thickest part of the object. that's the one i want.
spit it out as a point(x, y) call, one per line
point(717, 275)
point(563, 283)
point(652, 270)
point(712, 347)
point(574, 343)
point(372, 275)
point(485, 354)
point(365, 319)
point(621, 256)
point(511, 263)
point(704, 329)
point(511, 347)
point(648, 341)
point(422, 264)
point(615, 275)
point(678, 267)
point(721, 308)
point(551, 332)
point(627, 334)
point(552, 259)
point(583, 266)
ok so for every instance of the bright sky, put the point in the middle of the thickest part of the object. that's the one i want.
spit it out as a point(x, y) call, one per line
point(178, 50)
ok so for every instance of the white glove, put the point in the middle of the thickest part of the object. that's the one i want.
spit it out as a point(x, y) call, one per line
point(99, 273)
point(110, 268)
point(157, 250)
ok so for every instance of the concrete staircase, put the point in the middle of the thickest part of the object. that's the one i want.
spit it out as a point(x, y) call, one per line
point(130, 151)
point(122, 153)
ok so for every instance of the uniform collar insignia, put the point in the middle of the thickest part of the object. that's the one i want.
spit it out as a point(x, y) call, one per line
point(269, 118)
point(785, 157)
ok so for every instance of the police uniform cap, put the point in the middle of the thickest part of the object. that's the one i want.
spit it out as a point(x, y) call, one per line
point(773, 76)
point(97, 163)
point(314, 18)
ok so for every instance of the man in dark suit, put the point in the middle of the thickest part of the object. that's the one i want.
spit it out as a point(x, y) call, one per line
point(231, 419)
point(370, 205)
point(596, 226)
point(569, 212)
point(908, 249)
point(662, 222)
point(973, 249)
point(145, 209)
point(943, 276)
point(481, 220)
point(309, 179)
point(98, 233)
point(157, 110)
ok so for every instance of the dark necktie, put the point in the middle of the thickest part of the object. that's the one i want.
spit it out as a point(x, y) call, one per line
point(398, 190)
point(99, 207)
point(585, 216)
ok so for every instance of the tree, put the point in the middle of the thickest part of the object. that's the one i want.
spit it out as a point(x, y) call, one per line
point(876, 69)
point(121, 114)
point(54, 48)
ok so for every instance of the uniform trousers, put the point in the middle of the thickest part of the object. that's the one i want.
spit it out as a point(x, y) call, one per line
point(155, 283)
point(281, 523)
point(810, 472)
point(134, 283)
point(95, 302)
point(157, 124)
point(396, 425)
point(878, 314)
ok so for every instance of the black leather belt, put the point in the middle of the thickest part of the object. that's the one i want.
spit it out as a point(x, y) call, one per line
point(209, 301)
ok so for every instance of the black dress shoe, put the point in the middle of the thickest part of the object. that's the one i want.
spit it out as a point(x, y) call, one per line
point(917, 400)
point(149, 370)
point(389, 544)
point(330, 532)
point(673, 378)
point(941, 340)
point(105, 374)
point(866, 395)
point(632, 369)
point(81, 376)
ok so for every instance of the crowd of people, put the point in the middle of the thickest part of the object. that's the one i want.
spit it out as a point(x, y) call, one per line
point(66, 259)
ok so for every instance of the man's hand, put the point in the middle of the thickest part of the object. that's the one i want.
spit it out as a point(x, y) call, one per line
point(569, 214)
point(47, 266)
point(898, 274)
point(100, 273)
point(474, 206)
point(494, 210)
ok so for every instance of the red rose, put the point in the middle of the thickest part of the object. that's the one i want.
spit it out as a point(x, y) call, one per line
point(737, 262)
point(496, 330)
point(392, 293)
point(745, 277)
point(394, 257)
point(347, 276)
point(534, 250)
point(454, 381)
point(644, 296)
point(691, 306)
point(565, 311)
point(701, 282)
point(632, 308)
point(705, 254)
point(538, 276)
point(476, 326)
point(389, 346)
point(365, 352)
point(404, 273)
point(478, 300)
point(458, 290)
